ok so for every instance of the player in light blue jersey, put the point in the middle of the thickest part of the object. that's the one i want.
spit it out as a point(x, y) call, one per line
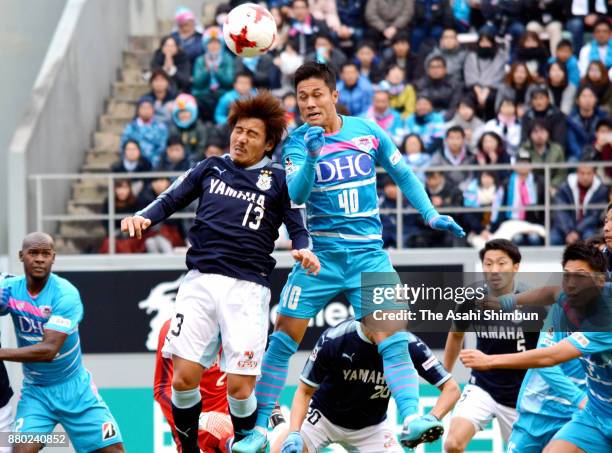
point(331, 166)
point(46, 311)
point(589, 429)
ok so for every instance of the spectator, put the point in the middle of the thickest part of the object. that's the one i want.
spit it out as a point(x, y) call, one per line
point(601, 149)
point(430, 19)
point(161, 95)
point(516, 86)
point(175, 158)
point(288, 61)
point(213, 76)
point(438, 86)
point(523, 189)
point(415, 155)
point(505, 17)
point(125, 203)
point(386, 17)
point(600, 49)
point(150, 134)
point(163, 237)
point(454, 55)
point(352, 23)
point(355, 91)
point(403, 96)
point(548, 16)
point(443, 194)
point(171, 58)
point(292, 113)
point(325, 11)
point(578, 222)
point(562, 91)
point(429, 125)
point(461, 12)
point(388, 200)
point(584, 15)
point(483, 191)
point(581, 122)
point(565, 54)
point(402, 56)
point(243, 87)
point(483, 72)
point(261, 68)
point(325, 52)
point(304, 28)
point(382, 114)
point(491, 150)
point(369, 64)
point(187, 37)
point(282, 26)
point(542, 150)
point(132, 161)
point(533, 53)
point(507, 125)
point(541, 107)
point(467, 119)
point(213, 149)
point(598, 79)
point(454, 153)
point(186, 125)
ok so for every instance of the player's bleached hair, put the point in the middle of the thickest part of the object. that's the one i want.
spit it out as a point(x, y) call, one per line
point(265, 107)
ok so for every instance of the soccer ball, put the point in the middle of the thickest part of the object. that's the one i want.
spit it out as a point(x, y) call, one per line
point(249, 30)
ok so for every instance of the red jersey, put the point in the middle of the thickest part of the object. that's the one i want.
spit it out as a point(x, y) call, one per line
point(213, 388)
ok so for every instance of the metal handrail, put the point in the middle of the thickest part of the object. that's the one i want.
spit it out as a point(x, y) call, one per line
point(109, 179)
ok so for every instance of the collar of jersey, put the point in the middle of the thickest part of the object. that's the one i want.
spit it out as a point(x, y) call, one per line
point(361, 334)
point(262, 163)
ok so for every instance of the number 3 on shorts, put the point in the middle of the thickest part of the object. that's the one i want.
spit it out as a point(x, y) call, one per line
point(176, 332)
point(291, 297)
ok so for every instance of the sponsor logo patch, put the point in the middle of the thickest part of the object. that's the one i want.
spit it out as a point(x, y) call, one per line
point(396, 157)
point(108, 430)
point(265, 180)
point(580, 339)
point(248, 361)
point(59, 321)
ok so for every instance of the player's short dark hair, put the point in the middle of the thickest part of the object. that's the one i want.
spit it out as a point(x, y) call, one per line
point(457, 129)
point(609, 207)
point(581, 251)
point(267, 108)
point(312, 69)
point(503, 245)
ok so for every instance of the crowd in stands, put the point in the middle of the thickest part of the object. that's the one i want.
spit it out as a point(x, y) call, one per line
point(453, 82)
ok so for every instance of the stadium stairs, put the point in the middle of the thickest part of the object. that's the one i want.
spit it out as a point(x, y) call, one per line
point(88, 195)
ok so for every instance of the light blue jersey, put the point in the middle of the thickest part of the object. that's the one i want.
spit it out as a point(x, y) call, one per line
point(58, 307)
point(342, 207)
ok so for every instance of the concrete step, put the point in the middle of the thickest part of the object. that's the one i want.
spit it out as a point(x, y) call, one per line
point(137, 59)
point(97, 167)
point(130, 92)
point(113, 124)
point(82, 192)
point(105, 141)
point(71, 229)
point(133, 75)
point(143, 43)
point(121, 108)
point(84, 207)
point(76, 245)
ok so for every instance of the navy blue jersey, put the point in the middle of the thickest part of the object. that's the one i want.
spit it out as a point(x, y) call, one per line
point(6, 392)
point(237, 219)
point(503, 337)
point(347, 371)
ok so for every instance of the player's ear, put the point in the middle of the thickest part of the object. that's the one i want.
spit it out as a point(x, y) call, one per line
point(21, 256)
point(335, 96)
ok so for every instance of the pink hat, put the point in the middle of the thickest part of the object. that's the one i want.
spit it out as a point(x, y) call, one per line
point(183, 15)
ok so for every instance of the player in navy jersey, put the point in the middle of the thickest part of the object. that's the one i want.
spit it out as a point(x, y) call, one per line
point(584, 270)
point(331, 167)
point(6, 392)
point(343, 395)
point(225, 296)
point(490, 394)
point(46, 311)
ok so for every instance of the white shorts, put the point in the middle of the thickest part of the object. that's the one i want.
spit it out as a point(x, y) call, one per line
point(318, 432)
point(6, 424)
point(477, 406)
point(211, 311)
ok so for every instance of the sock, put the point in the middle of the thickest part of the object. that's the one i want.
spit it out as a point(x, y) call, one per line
point(273, 375)
point(186, 408)
point(402, 378)
point(244, 415)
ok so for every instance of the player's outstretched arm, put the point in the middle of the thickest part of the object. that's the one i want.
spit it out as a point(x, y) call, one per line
point(300, 170)
point(536, 358)
point(308, 260)
point(454, 343)
point(447, 399)
point(538, 297)
point(299, 408)
point(44, 351)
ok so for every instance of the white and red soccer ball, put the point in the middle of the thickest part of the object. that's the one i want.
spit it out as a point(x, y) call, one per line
point(249, 30)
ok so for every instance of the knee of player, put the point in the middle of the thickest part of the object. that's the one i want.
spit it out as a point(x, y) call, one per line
point(452, 444)
point(240, 392)
point(182, 382)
